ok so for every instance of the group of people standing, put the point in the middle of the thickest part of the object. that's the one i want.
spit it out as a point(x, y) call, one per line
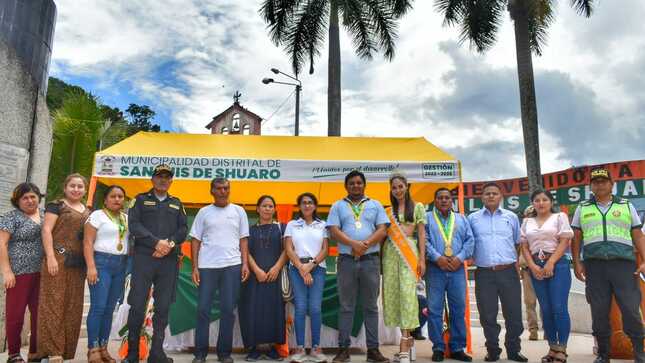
point(46, 257)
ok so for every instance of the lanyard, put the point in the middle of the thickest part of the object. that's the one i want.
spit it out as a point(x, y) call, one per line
point(447, 232)
point(120, 223)
point(357, 211)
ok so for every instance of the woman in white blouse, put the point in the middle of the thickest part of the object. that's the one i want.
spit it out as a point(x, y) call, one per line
point(105, 246)
point(306, 242)
point(545, 238)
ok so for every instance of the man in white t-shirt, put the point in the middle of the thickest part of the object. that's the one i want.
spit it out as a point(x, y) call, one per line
point(219, 249)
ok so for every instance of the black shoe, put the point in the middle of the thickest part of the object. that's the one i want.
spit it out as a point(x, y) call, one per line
point(226, 359)
point(160, 360)
point(601, 359)
point(199, 360)
point(253, 356)
point(374, 356)
point(274, 355)
point(491, 357)
point(461, 355)
point(437, 356)
point(342, 356)
point(416, 334)
point(517, 357)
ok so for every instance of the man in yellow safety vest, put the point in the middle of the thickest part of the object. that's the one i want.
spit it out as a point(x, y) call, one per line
point(607, 229)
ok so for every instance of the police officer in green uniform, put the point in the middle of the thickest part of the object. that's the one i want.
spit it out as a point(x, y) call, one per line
point(607, 230)
point(157, 221)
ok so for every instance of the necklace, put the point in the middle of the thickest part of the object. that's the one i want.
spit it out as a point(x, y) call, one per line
point(121, 225)
point(265, 238)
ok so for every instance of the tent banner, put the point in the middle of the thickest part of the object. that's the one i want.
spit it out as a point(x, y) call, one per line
point(280, 170)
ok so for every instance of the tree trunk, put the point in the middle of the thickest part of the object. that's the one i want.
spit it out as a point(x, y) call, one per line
point(527, 93)
point(333, 70)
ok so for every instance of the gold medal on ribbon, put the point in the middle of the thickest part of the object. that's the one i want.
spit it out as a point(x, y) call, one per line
point(446, 232)
point(448, 251)
point(121, 224)
point(357, 211)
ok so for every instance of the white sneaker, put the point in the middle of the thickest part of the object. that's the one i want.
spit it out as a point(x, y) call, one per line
point(298, 357)
point(404, 357)
point(317, 356)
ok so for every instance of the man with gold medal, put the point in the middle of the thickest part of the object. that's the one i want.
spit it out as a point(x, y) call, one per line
point(449, 242)
point(358, 224)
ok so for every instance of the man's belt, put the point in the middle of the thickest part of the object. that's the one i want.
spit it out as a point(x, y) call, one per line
point(363, 257)
point(304, 260)
point(498, 267)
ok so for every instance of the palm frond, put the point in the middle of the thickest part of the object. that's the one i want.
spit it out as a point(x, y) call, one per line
point(384, 26)
point(278, 14)
point(583, 7)
point(400, 7)
point(452, 11)
point(305, 35)
point(78, 125)
point(357, 24)
point(480, 21)
point(540, 17)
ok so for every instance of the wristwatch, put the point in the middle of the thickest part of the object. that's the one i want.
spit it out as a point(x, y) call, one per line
point(172, 244)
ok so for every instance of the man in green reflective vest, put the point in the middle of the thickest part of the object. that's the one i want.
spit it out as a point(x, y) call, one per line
point(607, 229)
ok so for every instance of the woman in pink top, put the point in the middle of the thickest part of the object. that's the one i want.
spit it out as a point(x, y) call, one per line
point(545, 238)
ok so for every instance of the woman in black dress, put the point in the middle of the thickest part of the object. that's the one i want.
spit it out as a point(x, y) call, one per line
point(262, 316)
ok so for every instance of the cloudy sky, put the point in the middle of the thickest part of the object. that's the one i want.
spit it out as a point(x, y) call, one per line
point(186, 58)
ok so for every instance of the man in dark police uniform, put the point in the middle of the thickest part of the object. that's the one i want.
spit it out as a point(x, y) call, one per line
point(157, 221)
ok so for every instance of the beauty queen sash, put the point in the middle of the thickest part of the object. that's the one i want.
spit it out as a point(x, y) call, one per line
point(405, 247)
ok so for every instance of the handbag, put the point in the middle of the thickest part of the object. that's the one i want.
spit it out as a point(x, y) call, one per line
point(71, 260)
point(285, 284)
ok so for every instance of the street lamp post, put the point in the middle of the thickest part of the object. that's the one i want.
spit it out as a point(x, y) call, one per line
point(298, 89)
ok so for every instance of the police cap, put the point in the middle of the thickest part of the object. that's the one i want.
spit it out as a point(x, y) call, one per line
point(163, 168)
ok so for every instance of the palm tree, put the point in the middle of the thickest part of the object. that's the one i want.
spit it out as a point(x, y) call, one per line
point(79, 125)
point(299, 26)
point(479, 21)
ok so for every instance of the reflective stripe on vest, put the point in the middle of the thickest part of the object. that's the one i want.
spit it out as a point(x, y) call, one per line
point(614, 226)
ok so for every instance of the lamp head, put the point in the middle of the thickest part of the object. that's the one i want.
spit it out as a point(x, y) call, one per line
point(275, 70)
point(267, 80)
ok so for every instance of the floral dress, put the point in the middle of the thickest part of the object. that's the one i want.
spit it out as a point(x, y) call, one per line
point(400, 304)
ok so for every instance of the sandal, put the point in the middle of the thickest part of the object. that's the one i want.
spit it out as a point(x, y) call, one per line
point(16, 358)
point(549, 357)
point(561, 357)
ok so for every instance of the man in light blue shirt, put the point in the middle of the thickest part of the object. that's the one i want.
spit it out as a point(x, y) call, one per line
point(497, 235)
point(359, 225)
point(449, 242)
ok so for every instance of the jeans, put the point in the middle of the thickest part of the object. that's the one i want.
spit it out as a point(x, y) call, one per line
point(307, 299)
point(440, 284)
point(103, 297)
point(553, 295)
point(356, 278)
point(226, 281)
